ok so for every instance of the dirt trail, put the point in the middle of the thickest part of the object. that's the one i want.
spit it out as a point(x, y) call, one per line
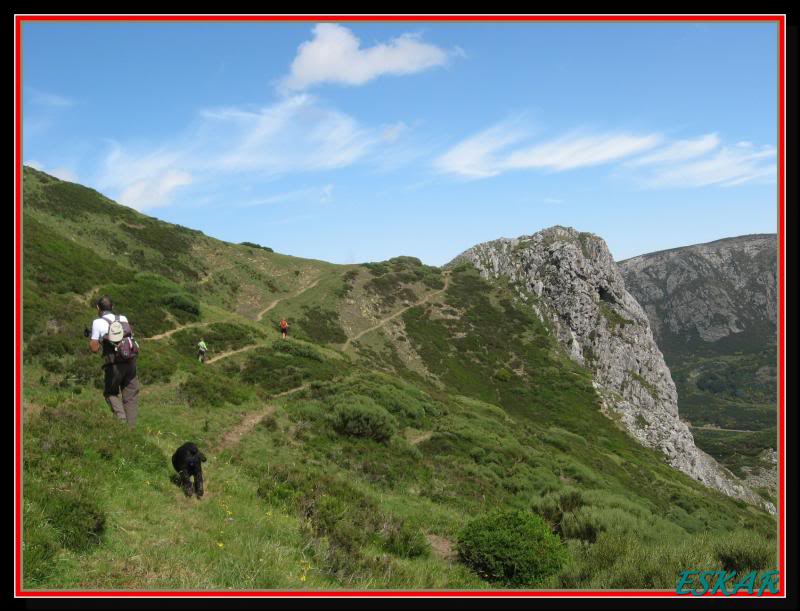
point(232, 352)
point(176, 329)
point(441, 547)
point(233, 436)
point(260, 315)
point(419, 437)
point(398, 313)
point(716, 428)
point(277, 301)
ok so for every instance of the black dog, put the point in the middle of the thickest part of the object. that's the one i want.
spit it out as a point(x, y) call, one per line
point(187, 461)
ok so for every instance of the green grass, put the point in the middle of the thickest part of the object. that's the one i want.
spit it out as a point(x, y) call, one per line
point(365, 475)
point(729, 390)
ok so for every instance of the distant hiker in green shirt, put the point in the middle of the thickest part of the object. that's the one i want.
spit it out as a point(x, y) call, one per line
point(201, 351)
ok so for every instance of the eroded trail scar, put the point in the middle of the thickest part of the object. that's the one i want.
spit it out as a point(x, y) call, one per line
point(232, 352)
point(260, 315)
point(277, 301)
point(232, 437)
point(383, 321)
point(176, 329)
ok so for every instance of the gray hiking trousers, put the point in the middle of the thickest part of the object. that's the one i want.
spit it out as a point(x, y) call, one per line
point(122, 391)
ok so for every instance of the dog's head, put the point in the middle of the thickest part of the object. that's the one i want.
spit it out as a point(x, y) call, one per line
point(189, 456)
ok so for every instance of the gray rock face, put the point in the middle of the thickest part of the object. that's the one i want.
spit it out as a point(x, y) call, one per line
point(708, 291)
point(765, 473)
point(571, 279)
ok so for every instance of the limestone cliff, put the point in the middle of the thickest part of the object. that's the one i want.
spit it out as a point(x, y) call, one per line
point(571, 279)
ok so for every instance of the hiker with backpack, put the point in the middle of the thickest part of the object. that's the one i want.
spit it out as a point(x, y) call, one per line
point(201, 351)
point(284, 328)
point(113, 334)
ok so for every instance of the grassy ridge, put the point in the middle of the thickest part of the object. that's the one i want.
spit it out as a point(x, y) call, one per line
point(368, 472)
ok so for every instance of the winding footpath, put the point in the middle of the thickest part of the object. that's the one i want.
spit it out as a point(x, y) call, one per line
point(259, 317)
point(277, 301)
point(233, 436)
point(383, 321)
point(225, 355)
point(176, 329)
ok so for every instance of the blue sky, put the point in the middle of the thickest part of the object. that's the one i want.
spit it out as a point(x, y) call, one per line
point(355, 142)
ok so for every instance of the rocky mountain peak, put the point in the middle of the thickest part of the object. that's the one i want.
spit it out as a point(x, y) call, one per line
point(570, 279)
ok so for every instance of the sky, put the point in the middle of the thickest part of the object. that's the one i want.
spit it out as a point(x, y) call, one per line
point(352, 142)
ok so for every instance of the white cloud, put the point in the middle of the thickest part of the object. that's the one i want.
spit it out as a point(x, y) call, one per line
point(155, 190)
point(50, 100)
point(477, 156)
point(679, 151)
point(491, 152)
point(295, 135)
point(693, 162)
point(728, 167)
point(576, 151)
point(144, 180)
point(335, 55)
point(322, 195)
point(391, 133)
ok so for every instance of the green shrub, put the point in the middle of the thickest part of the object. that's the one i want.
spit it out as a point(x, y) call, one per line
point(405, 540)
point(59, 265)
point(78, 523)
point(39, 545)
point(514, 548)
point(336, 519)
point(212, 389)
point(321, 326)
point(359, 416)
point(183, 302)
point(503, 375)
point(405, 402)
point(219, 336)
point(155, 365)
point(254, 245)
point(295, 349)
point(744, 552)
point(139, 297)
point(582, 524)
point(553, 507)
point(58, 345)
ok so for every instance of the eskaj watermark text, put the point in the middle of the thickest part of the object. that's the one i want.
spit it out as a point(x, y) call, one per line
point(727, 583)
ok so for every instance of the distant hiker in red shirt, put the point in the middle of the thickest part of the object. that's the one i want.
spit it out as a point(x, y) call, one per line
point(284, 328)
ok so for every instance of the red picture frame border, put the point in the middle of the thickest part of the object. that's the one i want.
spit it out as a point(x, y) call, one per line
point(779, 20)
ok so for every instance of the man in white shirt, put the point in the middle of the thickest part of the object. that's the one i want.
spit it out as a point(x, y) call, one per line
point(121, 384)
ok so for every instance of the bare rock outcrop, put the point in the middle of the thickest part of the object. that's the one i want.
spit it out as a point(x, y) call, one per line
point(707, 292)
point(571, 279)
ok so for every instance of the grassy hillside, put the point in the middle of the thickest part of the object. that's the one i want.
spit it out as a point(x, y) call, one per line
point(407, 404)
